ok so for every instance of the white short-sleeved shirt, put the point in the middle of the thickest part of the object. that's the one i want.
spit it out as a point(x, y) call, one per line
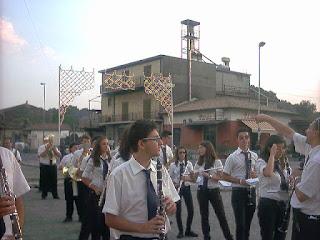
point(16, 153)
point(236, 167)
point(66, 160)
point(126, 195)
point(211, 183)
point(174, 171)
point(168, 151)
point(310, 178)
point(16, 180)
point(45, 160)
point(269, 187)
point(95, 173)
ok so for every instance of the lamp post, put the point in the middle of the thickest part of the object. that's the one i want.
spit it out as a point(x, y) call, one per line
point(261, 44)
point(44, 106)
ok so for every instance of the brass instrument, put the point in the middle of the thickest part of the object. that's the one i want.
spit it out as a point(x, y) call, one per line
point(72, 170)
point(5, 191)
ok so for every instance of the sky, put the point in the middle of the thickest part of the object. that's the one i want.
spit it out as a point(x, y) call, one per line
point(37, 36)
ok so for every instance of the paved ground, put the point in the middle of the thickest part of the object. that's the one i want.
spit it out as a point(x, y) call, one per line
point(44, 217)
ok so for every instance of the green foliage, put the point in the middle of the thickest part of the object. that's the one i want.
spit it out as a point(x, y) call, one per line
point(306, 109)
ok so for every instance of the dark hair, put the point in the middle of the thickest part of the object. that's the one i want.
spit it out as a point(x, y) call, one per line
point(85, 136)
point(210, 155)
point(240, 130)
point(273, 139)
point(139, 130)
point(96, 152)
point(124, 148)
point(317, 125)
point(71, 145)
point(166, 133)
point(176, 156)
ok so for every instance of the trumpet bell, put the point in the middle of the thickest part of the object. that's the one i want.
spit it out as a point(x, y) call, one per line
point(65, 171)
point(73, 173)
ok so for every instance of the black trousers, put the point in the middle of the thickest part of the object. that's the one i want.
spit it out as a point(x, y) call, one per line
point(270, 214)
point(49, 183)
point(86, 225)
point(96, 217)
point(129, 237)
point(68, 196)
point(243, 211)
point(305, 227)
point(185, 193)
point(212, 195)
point(41, 178)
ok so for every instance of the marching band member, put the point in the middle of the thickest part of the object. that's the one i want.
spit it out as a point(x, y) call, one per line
point(166, 154)
point(305, 200)
point(80, 158)
point(49, 154)
point(93, 177)
point(236, 170)
point(8, 144)
point(273, 189)
point(178, 171)
point(131, 200)
point(65, 162)
point(18, 186)
point(208, 189)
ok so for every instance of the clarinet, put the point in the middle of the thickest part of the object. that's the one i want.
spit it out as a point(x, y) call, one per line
point(250, 197)
point(5, 191)
point(161, 208)
point(286, 217)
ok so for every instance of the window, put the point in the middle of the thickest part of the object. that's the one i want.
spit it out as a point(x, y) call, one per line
point(125, 111)
point(109, 101)
point(209, 134)
point(147, 108)
point(176, 136)
point(147, 70)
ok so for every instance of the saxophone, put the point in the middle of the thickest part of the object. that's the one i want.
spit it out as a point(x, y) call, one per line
point(5, 191)
point(161, 207)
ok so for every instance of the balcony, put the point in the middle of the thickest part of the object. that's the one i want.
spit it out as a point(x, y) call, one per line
point(130, 117)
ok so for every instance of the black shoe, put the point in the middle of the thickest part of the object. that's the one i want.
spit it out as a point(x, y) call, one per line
point(67, 219)
point(56, 197)
point(191, 234)
point(180, 235)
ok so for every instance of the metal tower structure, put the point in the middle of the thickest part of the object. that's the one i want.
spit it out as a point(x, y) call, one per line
point(190, 45)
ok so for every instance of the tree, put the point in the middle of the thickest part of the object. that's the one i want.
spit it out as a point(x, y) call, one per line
point(306, 109)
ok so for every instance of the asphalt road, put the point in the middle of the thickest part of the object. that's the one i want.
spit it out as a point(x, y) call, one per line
point(44, 218)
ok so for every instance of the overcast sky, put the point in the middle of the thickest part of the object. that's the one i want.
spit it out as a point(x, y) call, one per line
point(37, 36)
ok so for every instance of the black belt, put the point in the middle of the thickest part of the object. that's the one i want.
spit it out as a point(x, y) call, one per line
point(129, 237)
point(306, 216)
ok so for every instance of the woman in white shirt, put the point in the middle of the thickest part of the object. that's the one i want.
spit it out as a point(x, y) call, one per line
point(179, 171)
point(208, 171)
point(273, 189)
point(93, 176)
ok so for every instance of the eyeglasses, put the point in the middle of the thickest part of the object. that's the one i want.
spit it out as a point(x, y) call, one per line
point(155, 139)
point(182, 152)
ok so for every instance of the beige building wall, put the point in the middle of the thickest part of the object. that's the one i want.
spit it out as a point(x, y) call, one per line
point(112, 105)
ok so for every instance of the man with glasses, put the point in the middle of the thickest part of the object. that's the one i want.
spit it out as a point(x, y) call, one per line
point(131, 200)
point(305, 200)
point(239, 166)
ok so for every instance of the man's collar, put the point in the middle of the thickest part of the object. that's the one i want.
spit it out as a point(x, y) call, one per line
point(239, 150)
point(136, 167)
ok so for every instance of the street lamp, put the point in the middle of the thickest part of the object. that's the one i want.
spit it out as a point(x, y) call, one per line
point(44, 106)
point(261, 44)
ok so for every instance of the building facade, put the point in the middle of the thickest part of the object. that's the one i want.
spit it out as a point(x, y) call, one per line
point(222, 102)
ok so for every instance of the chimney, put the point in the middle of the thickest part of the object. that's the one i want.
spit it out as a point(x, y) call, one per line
point(226, 61)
